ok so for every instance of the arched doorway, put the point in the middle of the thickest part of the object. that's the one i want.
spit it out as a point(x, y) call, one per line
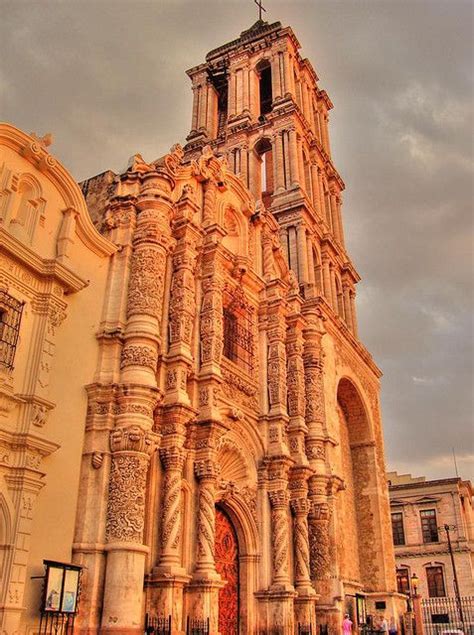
point(227, 565)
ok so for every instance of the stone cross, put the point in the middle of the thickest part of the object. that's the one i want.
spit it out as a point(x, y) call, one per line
point(260, 8)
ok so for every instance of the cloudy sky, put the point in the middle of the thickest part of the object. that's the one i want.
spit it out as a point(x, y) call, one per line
point(107, 78)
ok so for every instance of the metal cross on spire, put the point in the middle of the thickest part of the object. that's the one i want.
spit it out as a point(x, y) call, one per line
point(260, 8)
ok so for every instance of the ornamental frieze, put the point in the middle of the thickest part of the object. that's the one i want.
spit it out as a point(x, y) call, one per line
point(134, 355)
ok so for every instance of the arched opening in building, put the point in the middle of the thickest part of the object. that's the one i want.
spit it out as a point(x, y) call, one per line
point(264, 72)
point(218, 78)
point(227, 565)
point(263, 149)
point(357, 509)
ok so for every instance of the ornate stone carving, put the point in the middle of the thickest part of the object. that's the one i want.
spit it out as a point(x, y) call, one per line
point(97, 459)
point(132, 439)
point(126, 505)
point(173, 460)
point(145, 288)
point(280, 535)
point(135, 355)
point(301, 507)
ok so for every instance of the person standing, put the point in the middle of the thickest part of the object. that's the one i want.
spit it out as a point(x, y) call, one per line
point(346, 625)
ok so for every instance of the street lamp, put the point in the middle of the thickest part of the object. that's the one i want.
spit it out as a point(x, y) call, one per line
point(414, 583)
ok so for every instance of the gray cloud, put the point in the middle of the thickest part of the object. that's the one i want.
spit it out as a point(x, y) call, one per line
point(107, 78)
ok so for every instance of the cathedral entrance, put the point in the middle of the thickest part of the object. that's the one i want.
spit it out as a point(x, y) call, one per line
point(227, 565)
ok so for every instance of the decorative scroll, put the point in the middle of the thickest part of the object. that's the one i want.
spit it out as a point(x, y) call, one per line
point(227, 565)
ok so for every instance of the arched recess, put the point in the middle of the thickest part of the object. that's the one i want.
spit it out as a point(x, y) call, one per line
point(28, 207)
point(358, 504)
point(236, 238)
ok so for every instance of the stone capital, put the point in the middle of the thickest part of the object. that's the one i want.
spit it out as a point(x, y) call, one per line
point(133, 439)
point(173, 458)
point(300, 506)
point(279, 498)
point(206, 469)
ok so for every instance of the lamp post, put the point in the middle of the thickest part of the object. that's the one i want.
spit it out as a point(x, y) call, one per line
point(417, 605)
point(448, 529)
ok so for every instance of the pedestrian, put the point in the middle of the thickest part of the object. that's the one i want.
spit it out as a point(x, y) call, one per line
point(384, 625)
point(393, 627)
point(346, 625)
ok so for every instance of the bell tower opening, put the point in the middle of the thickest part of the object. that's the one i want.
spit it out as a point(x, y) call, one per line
point(263, 149)
point(265, 86)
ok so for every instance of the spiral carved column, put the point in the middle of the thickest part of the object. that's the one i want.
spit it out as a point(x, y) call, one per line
point(280, 538)
point(206, 471)
point(173, 461)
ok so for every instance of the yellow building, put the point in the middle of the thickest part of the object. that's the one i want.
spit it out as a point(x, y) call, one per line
point(53, 269)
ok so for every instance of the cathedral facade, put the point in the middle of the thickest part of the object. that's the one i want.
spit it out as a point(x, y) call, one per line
point(232, 465)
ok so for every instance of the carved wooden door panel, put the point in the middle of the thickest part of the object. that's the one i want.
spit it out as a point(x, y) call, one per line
point(227, 564)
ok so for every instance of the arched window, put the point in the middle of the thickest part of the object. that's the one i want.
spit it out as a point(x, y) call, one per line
point(265, 86)
point(264, 152)
point(238, 331)
point(435, 581)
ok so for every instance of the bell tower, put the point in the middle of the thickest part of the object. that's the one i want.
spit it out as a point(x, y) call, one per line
point(258, 103)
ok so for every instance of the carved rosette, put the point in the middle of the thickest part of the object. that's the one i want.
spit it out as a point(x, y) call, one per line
point(131, 449)
point(173, 461)
point(206, 471)
point(280, 535)
point(301, 507)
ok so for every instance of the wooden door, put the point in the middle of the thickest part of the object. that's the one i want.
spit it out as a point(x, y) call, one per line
point(227, 564)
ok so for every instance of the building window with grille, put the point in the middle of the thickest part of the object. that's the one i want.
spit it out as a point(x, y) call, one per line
point(429, 525)
point(435, 580)
point(403, 581)
point(238, 332)
point(397, 529)
point(10, 318)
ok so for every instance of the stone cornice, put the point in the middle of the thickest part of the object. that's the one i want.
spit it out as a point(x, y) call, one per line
point(43, 268)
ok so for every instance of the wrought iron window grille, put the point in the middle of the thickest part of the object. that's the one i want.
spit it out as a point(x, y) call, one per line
point(11, 311)
point(238, 339)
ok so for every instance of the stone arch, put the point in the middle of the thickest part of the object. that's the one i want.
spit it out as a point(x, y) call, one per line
point(244, 524)
point(358, 504)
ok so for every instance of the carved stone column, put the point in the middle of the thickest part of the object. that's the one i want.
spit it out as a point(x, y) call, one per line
point(131, 447)
point(172, 459)
point(280, 538)
point(301, 507)
point(206, 471)
point(354, 314)
point(327, 278)
point(204, 589)
point(347, 304)
point(294, 163)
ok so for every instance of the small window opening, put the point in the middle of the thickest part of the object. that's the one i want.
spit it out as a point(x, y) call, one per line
point(238, 332)
point(265, 87)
